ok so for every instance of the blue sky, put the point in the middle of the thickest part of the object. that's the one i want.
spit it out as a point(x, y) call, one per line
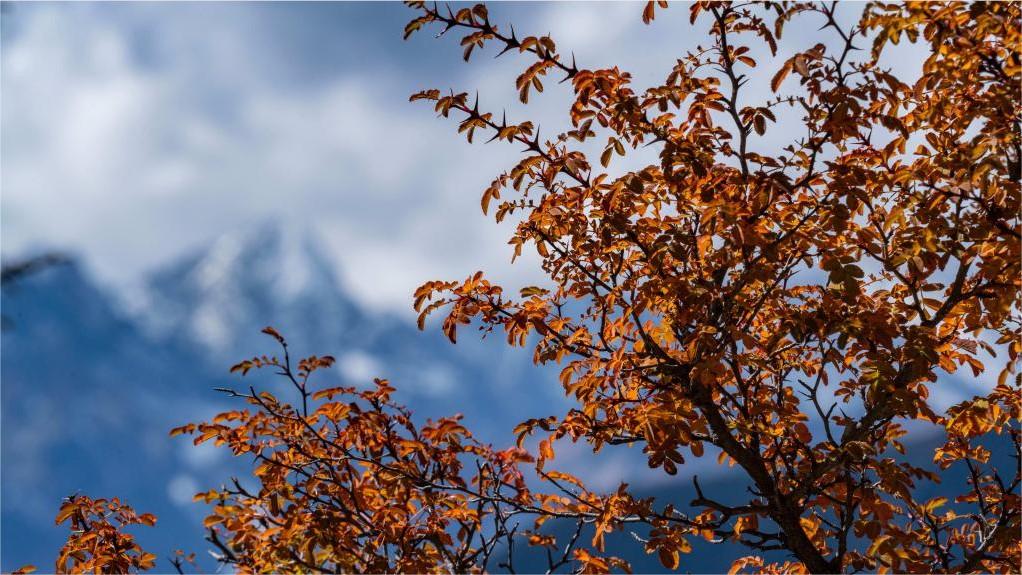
point(134, 132)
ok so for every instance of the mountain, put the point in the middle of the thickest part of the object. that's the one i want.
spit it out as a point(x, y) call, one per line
point(90, 387)
point(216, 300)
point(214, 303)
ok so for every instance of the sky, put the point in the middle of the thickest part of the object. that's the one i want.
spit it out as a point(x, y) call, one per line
point(133, 133)
point(136, 132)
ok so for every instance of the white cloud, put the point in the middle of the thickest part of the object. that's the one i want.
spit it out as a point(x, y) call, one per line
point(131, 164)
point(135, 133)
point(359, 368)
point(181, 488)
point(438, 380)
point(201, 456)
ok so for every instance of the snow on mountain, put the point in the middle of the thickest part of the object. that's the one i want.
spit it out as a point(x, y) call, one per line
point(219, 298)
point(216, 301)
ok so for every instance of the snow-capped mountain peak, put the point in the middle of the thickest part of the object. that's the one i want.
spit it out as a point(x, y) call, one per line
point(273, 271)
point(286, 258)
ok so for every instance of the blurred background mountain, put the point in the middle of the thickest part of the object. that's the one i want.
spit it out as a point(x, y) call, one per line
point(93, 379)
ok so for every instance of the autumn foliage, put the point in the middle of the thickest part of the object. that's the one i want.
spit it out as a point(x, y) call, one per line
point(98, 542)
point(787, 311)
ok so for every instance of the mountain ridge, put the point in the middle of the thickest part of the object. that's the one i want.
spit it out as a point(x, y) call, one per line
point(90, 389)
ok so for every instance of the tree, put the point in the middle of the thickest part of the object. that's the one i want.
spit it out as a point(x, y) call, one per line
point(788, 312)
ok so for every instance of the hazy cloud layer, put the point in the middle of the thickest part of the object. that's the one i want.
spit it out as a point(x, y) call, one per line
point(133, 133)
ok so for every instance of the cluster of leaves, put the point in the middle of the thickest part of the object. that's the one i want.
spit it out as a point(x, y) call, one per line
point(98, 542)
point(789, 312)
